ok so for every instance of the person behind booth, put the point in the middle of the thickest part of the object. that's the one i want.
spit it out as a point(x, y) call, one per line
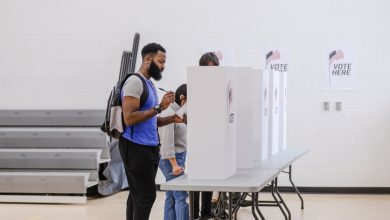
point(173, 156)
point(207, 59)
point(139, 143)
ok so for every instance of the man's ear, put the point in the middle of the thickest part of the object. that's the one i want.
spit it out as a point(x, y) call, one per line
point(148, 58)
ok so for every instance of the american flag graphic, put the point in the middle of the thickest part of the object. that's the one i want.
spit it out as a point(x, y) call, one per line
point(272, 55)
point(335, 55)
point(219, 54)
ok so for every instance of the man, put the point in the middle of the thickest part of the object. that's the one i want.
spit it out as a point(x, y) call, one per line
point(139, 144)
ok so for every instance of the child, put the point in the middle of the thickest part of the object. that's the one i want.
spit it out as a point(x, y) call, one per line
point(173, 155)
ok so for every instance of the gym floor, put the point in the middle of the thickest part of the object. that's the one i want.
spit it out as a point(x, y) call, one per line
point(317, 207)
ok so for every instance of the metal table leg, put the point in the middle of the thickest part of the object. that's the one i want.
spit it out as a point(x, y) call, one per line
point(257, 206)
point(277, 200)
point(230, 205)
point(254, 202)
point(281, 199)
point(238, 205)
point(293, 185)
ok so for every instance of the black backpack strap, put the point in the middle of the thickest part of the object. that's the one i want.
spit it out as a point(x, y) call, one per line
point(144, 95)
point(145, 92)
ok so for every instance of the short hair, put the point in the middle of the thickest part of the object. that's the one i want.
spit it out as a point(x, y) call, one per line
point(207, 58)
point(151, 48)
point(181, 90)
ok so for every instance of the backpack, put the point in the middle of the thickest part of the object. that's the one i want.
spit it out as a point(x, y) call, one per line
point(114, 124)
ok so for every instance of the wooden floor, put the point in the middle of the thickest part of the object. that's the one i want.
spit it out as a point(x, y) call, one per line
point(317, 207)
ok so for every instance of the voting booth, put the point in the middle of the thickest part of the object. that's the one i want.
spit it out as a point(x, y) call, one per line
point(237, 116)
point(265, 105)
point(273, 126)
point(248, 124)
point(283, 111)
point(260, 112)
point(211, 131)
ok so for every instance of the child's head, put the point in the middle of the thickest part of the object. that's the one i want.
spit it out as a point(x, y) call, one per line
point(209, 59)
point(181, 94)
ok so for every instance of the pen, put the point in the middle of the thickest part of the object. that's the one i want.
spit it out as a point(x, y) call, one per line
point(162, 89)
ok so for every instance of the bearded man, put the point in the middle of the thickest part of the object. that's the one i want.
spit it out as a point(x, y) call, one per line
point(139, 143)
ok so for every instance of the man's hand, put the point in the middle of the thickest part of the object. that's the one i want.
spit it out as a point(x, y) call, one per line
point(167, 99)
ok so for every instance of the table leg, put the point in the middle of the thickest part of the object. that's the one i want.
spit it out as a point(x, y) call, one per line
point(257, 206)
point(238, 205)
point(277, 200)
point(281, 199)
point(230, 205)
point(253, 206)
point(293, 185)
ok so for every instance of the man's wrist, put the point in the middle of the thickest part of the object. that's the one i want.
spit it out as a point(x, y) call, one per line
point(173, 119)
point(157, 108)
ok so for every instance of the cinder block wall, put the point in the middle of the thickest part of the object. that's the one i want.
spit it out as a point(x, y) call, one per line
point(66, 54)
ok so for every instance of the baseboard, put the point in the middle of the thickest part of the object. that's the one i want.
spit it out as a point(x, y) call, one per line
point(335, 190)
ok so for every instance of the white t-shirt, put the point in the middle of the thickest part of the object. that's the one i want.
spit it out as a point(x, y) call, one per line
point(133, 87)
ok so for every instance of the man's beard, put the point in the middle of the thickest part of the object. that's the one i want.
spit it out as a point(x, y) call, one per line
point(154, 71)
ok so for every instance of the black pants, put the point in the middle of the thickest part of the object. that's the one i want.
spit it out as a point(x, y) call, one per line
point(206, 204)
point(141, 164)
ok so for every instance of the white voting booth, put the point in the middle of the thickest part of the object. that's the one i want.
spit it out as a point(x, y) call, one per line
point(273, 126)
point(237, 115)
point(211, 131)
point(247, 123)
point(261, 112)
point(283, 111)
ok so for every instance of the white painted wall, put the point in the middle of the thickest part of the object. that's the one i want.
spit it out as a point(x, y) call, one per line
point(66, 54)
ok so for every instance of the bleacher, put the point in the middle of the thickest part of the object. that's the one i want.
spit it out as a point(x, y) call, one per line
point(50, 156)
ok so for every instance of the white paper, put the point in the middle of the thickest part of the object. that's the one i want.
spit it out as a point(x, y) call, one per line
point(275, 59)
point(339, 68)
point(182, 111)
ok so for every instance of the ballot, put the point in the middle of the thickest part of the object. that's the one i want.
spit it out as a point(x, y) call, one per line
point(182, 111)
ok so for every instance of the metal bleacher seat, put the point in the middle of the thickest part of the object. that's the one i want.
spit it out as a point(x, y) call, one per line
point(49, 159)
point(63, 187)
point(51, 118)
point(54, 138)
point(50, 156)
